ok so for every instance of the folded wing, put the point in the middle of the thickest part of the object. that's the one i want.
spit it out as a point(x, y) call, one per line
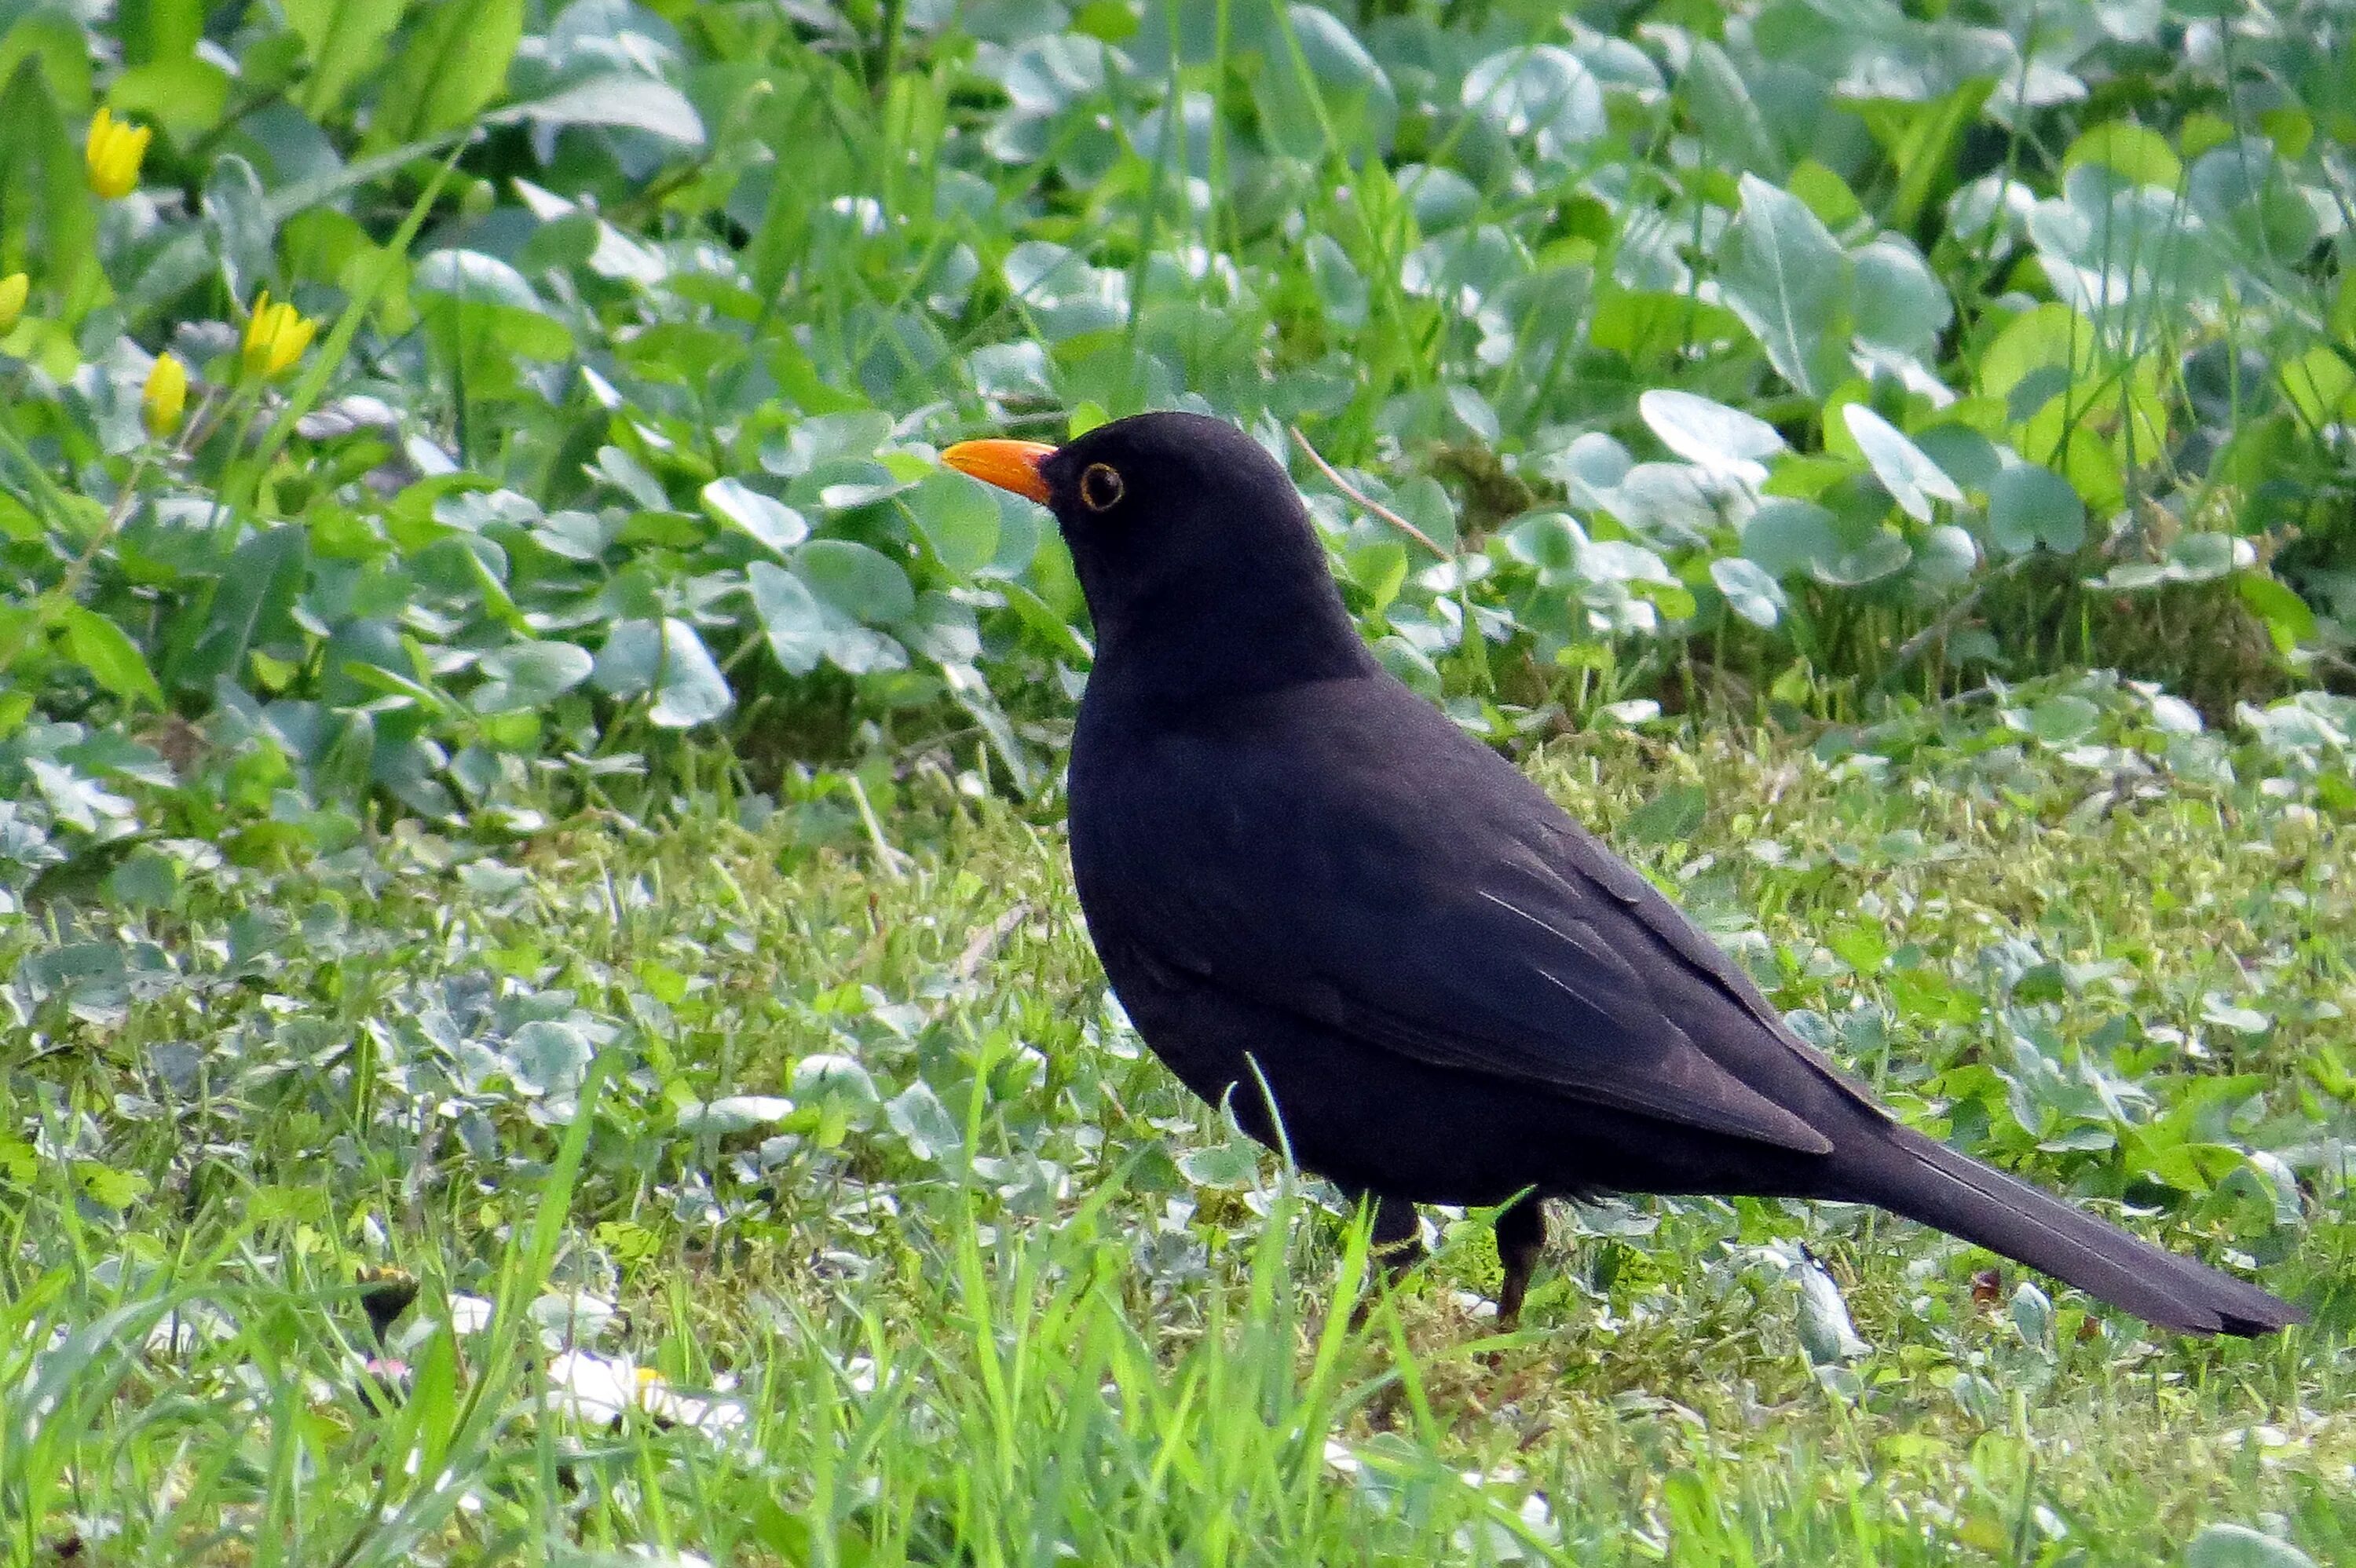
point(1484, 934)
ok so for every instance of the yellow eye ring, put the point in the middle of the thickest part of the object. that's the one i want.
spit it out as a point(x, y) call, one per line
point(1100, 487)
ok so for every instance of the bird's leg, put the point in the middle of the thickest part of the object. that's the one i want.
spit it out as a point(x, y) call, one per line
point(1396, 1244)
point(1521, 1236)
point(1398, 1236)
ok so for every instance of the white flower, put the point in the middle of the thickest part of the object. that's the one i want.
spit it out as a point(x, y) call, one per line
point(713, 1417)
point(591, 1387)
point(602, 1389)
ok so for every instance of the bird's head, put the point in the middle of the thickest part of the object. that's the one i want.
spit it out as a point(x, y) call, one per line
point(1159, 480)
point(1185, 533)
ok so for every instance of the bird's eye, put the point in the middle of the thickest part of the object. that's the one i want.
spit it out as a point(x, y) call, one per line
point(1100, 487)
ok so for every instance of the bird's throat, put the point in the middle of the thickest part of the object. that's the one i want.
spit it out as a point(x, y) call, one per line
point(1182, 649)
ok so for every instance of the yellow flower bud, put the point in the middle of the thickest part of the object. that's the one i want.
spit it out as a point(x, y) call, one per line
point(12, 290)
point(113, 153)
point(275, 337)
point(166, 395)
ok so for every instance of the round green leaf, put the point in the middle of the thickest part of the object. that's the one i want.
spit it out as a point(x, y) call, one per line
point(1945, 556)
point(2205, 557)
point(1671, 817)
point(2238, 1546)
point(1751, 592)
point(484, 279)
point(1548, 541)
point(1722, 439)
point(2244, 191)
point(1229, 1165)
point(734, 1114)
point(1440, 197)
point(853, 434)
point(1318, 81)
point(621, 99)
point(957, 519)
point(667, 659)
point(468, 296)
point(1542, 90)
point(546, 1057)
point(803, 628)
point(1878, 554)
point(820, 1078)
point(1787, 538)
point(1909, 475)
point(1472, 410)
point(770, 521)
point(619, 468)
point(1618, 561)
point(529, 675)
point(2136, 153)
point(2051, 338)
point(942, 629)
point(917, 1114)
point(2063, 720)
point(1425, 502)
point(1733, 129)
point(2133, 577)
point(1968, 456)
point(187, 97)
point(790, 615)
point(2319, 383)
point(2028, 507)
point(844, 483)
point(1899, 302)
point(865, 584)
point(1061, 292)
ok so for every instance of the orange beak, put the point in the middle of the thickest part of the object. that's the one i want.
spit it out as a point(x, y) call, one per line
point(1009, 464)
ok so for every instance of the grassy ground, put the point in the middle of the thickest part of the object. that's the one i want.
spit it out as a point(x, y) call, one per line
point(990, 1289)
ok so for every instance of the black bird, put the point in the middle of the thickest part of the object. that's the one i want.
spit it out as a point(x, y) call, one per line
point(1308, 885)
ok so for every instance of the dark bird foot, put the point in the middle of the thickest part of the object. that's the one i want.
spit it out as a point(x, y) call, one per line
point(1521, 1237)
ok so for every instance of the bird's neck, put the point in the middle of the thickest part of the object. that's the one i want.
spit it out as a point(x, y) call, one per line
point(1185, 646)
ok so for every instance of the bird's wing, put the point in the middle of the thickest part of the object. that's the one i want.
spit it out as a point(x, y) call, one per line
point(1431, 902)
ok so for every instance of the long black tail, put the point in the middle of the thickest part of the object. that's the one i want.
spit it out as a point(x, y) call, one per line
point(1925, 1180)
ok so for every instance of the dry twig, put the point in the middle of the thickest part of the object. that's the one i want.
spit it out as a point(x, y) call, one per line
point(1376, 507)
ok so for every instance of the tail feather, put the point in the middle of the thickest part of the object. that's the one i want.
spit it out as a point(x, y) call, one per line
point(1925, 1180)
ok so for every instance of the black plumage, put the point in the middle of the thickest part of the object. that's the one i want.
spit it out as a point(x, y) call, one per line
point(1307, 885)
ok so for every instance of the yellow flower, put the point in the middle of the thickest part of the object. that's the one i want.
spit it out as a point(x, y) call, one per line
point(113, 153)
point(12, 290)
point(275, 337)
point(166, 395)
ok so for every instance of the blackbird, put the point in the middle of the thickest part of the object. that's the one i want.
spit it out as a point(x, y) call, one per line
point(1323, 903)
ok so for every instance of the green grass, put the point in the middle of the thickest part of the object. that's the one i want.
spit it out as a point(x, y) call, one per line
point(1003, 1294)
